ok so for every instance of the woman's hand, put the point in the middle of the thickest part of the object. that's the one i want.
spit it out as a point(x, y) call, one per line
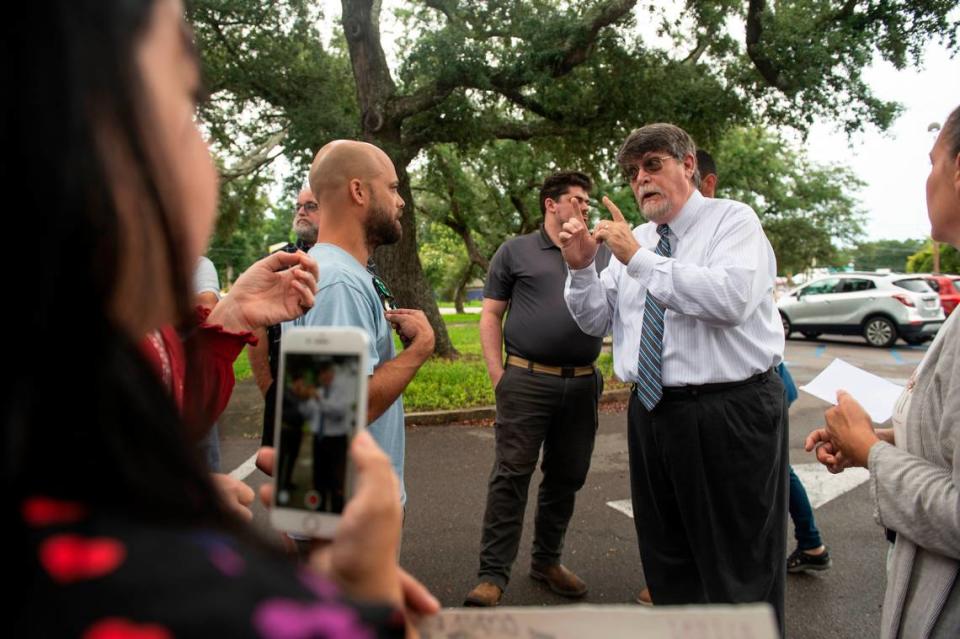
point(850, 430)
point(363, 554)
point(362, 557)
point(235, 494)
point(819, 442)
point(278, 288)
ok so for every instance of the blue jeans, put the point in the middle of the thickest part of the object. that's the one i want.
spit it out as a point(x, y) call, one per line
point(210, 449)
point(804, 526)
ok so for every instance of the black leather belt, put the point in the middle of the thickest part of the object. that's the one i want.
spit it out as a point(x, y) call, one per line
point(694, 390)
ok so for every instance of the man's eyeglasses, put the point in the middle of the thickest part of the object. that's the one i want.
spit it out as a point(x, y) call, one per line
point(650, 165)
point(383, 292)
point(309, 207)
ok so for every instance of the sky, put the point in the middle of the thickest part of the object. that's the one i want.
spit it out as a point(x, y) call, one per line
point(893, 165)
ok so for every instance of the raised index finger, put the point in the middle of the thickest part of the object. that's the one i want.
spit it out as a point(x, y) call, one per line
point(614, 210)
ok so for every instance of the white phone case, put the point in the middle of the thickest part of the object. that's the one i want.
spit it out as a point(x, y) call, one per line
point(297, 514)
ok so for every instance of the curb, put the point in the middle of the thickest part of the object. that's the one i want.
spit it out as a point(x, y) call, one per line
point(443, 417)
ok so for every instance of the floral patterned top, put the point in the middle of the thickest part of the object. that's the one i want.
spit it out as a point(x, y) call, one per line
point(107, 577)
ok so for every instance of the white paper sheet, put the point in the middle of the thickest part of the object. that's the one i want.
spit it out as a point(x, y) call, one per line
point(745, 621)
point(874, 393)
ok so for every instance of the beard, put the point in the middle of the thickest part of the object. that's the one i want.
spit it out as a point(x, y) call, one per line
point(381, 227)
point(653, 212)
point(305, 230)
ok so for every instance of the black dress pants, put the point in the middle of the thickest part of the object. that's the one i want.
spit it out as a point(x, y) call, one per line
point(534, 410)
point(708, 475)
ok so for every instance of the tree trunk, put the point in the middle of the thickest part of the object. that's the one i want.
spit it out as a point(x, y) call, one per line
point(400, 263)
point(462, 281)
point(458, 299)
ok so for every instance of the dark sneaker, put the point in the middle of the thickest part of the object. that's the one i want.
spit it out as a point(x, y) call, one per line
point(560, 580)
point(799, 561)
point(485, 595)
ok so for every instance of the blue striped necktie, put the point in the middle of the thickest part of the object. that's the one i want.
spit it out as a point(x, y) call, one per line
point(649, 369)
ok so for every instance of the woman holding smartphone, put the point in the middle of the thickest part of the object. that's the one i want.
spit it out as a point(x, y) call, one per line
point(116, 528)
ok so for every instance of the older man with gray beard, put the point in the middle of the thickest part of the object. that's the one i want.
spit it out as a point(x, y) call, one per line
point(265, 356)
point(689, 302)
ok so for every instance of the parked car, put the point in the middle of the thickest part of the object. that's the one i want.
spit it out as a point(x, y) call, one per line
point(881, 307)
point(948, 287)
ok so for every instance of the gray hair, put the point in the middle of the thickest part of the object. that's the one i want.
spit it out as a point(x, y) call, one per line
point(661, 136)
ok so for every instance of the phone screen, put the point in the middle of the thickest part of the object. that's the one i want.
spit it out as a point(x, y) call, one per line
point(318, 416)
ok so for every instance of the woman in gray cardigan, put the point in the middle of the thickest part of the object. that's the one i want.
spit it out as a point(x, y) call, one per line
point(915, 466)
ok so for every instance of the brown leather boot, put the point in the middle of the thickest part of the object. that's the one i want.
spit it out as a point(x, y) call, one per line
point(560, 580)
point(485, 595)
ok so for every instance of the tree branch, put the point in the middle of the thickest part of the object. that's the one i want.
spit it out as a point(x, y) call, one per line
point(574, 52)
point(845, 11)
point(698, 51)
point(445, 9)
point(260, 156)
point(268, 93)
point(375, 85)
point(525, 225)
point(767, 68)
point(404, 106)
point(498, 129)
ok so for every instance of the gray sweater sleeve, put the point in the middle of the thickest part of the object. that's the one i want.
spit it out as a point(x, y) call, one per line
point(917, 493)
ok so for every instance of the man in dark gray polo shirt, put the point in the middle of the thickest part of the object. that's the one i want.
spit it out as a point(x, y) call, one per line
point(546, 396)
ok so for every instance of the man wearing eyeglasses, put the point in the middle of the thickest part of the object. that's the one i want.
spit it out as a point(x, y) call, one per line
point(689, 302)
point(546, 396)
point(357, 190)
point(265, 356)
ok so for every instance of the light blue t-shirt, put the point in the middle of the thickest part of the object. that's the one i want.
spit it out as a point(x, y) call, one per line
point(346, 297)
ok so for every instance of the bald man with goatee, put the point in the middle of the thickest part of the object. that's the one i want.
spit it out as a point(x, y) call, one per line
point(356, 187)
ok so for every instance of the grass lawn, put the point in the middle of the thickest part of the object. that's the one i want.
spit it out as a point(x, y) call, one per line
point(463, 383)
point(448, 384)
point(241, 367)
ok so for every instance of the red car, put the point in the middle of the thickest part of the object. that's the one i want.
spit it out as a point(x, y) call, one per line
point(948, 286)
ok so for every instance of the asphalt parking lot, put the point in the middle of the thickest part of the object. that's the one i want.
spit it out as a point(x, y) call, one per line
point(447, 468)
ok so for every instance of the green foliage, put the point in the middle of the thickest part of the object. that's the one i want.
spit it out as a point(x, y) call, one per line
point(462, 318)
point(241, 368)
point(810, 57)
point(270, 78)
point(442, 256)
point(244, 228)
point(463, 383)
point(922, 260)
point(449, 384)
point(891, 254)
point(567, 81)
point(807, 210)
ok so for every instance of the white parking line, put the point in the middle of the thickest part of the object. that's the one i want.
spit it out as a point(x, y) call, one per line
point(624, 505)
point(821, 485)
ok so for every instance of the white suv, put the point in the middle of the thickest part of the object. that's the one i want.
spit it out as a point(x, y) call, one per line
point(879, 307)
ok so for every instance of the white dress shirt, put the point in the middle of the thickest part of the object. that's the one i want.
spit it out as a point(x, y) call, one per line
point(205, 278)
point(337, 401)
point(720, 324)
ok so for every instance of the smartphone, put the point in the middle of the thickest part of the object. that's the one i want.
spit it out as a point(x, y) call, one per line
point(321, 405)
